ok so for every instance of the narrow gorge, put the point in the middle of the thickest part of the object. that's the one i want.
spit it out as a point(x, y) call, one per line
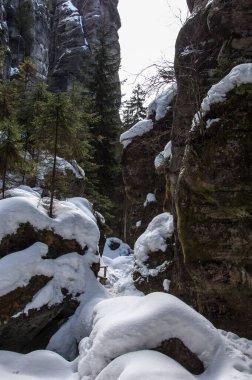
point(124, 253)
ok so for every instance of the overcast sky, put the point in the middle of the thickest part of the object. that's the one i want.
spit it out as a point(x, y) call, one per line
point(149, 30)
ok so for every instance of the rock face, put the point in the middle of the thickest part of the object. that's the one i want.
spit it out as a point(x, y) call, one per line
point(208, 179)
point(141, 178)
point(58, 35)
point(25, 333)
point(213, 208)
point(28, 26)
point(44, 265)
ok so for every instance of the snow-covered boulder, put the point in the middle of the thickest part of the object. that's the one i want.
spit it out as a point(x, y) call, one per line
point(128, 324)
point(36, 365)
point(153, 255)
point(159, 107)
point(115, 247)
point(144, 364)
point(126, 328)
point(44, 265)
point(24, 221)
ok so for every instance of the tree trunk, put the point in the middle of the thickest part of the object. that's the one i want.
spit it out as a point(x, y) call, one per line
point(54, 163)
point(4, 177)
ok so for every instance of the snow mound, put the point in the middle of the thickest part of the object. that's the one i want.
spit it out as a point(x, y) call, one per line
point(241, 74)
point(62, 165)
point(69, 271)
point(138, 129)
point(150, 198)
point(73, 218)
point(127, 324)
point(146, 365)
point(119, 276)
point(163, 156)
point(79, 325)
point(161, 104)
point(36, 365)
point(123, 249)
point(154, 238)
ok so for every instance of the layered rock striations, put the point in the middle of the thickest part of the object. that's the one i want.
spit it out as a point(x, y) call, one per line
point(212, 195)
point(208, 180)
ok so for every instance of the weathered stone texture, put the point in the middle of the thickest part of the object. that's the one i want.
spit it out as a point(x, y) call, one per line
point(214, 210)
point(140, 176)
point(213, 194)
point(208, 179)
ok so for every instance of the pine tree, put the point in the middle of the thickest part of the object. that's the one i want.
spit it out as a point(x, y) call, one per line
point(102, 83)
point(133, 109)
point(58, 122)
point(10, 149)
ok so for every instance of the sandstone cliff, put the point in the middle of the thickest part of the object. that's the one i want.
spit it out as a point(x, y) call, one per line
point(58, 35)
point(208, 178)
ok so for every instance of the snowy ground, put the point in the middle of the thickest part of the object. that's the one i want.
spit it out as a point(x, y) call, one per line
point(117, 326)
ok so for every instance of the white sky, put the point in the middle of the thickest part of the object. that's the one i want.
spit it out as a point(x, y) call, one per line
point(149, 30)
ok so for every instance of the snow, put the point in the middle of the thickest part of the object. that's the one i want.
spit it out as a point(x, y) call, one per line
point(122, 250)
point(188, 50)
point(144, 365)
point(14, 71)
point(22, 191)
point(73, 219)
point(241, 74)
point(166, 285)
point(116, 325)
point(138, 129)
point(66, 272)
point(119, 263)
point(138, 223)
point(154, 238)
point(161, 104)
point(210, 122)
point(119, 276)
point(118, 332)
point(65, 340)
point(37, 365)
point(150, 198)
point(163, 156)
point(127, 324)
point(159, 107)
point(62, 165)
point(208, 3)
point(68, 4)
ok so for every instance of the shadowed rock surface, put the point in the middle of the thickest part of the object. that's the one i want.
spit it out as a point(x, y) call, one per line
point(208, 183)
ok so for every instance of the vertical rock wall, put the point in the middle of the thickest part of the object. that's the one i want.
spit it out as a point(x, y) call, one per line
point(211, 199)
point(58, 35)
point(209, 174)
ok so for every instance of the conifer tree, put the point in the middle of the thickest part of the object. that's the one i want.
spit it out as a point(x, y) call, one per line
point(133, 109)
point(10, 149)
point(102, 83)
point(24, 83)
point(57, 127)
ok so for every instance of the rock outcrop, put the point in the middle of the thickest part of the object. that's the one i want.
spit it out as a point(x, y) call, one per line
point(141, 178)
point(58, 35)
point(214, 233)
point(43, 265)
point(208, 180)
